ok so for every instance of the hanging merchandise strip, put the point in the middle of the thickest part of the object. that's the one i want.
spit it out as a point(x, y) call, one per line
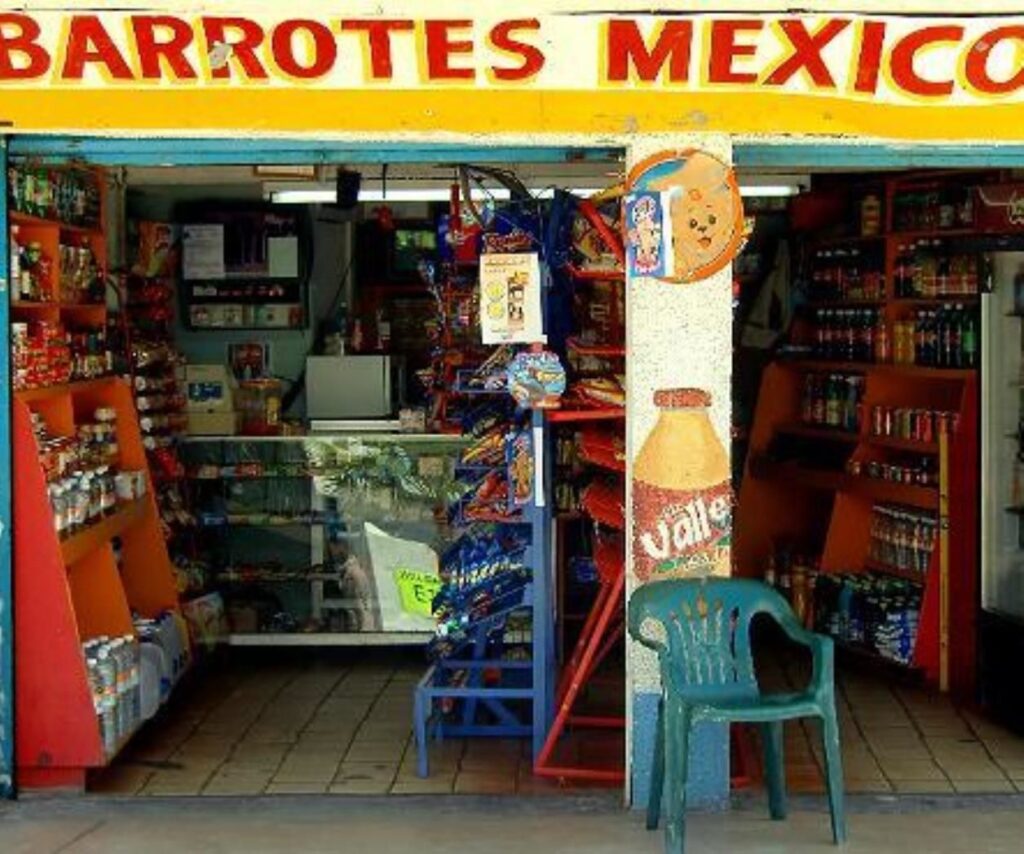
point(487, 649)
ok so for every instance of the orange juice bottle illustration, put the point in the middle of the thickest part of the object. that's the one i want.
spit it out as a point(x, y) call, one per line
point(682, 497)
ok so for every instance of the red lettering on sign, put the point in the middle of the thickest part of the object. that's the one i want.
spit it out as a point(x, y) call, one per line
point(441, 47)
point(325, 49)
point(88, 41)
point(250, 37)
point(976, 64)
point(901, 60)
point(869, 62)
point(533, 59)
point(725, 49)
point(171, 50)
point(18, 37)
point(805, 52)
point(378, 35)
point(628, 48)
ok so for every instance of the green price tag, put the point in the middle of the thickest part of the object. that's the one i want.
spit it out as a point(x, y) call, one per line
point(417, 591)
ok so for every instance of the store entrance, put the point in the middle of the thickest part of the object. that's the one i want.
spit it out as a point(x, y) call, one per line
point(291, 525)
point(877, 331)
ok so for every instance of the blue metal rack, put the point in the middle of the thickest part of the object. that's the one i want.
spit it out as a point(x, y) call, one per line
point(473, 689)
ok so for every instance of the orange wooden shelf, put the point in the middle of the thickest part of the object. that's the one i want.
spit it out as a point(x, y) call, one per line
point(46, 392)
point(19, 218)
point(77, 546)
point(811, 431)
point(604, 414)
point(827, 480)
point(898, 444)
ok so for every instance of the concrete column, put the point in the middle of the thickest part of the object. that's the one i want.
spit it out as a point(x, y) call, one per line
point(679, 336)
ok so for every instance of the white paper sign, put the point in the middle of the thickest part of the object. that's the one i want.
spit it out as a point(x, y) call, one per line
point(510, 304)
point(203, 255)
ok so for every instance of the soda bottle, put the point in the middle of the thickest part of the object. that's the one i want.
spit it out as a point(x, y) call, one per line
point(956, 336)
point(969, 342)
point(946, 323)
point(682, 495)
point(882, 344)
point(833, 402)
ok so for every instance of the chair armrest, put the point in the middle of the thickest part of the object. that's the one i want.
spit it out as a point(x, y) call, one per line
point(822, 649)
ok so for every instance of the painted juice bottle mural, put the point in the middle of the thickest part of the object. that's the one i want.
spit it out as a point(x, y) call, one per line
point(682, 495)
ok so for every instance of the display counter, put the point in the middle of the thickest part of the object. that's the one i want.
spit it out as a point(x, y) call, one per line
point(328, 538)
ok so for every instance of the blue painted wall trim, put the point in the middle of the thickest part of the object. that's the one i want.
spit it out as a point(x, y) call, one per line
point(833, 155)
point(6, 579)
point(708, 787)
point(110, 151)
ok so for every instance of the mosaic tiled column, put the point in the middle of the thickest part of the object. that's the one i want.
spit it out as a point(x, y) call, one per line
point(679, 336)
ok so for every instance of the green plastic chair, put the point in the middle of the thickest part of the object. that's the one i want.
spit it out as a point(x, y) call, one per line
point(700, 630)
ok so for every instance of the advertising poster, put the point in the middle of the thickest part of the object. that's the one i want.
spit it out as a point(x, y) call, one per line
point(510, 304)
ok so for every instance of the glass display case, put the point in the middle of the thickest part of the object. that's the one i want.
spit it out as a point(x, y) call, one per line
point(328, 538)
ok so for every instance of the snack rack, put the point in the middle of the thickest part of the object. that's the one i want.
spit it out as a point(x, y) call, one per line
point(595, 274)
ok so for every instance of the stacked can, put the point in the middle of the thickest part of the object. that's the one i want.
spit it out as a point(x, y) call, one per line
point(913, 425)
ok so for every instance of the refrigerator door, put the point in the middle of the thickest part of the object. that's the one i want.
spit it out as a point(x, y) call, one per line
point(1002, 389)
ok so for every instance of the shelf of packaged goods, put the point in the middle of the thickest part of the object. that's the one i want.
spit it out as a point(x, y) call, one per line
point(79, 545)
point(28, 220)
point(898, 444)
point(47, 392)
point(837, 481)
point(329, 638)
point(607, 413)
point(886, 569)
point(920, 371)
point(589, 275)
point(608, 350)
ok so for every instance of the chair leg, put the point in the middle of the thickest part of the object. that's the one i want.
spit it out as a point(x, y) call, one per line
point(774, 768)
point(834, 773)
point(657, 771)
point(677, 755)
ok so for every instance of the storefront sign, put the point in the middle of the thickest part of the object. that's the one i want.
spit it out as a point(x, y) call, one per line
point(224, 68)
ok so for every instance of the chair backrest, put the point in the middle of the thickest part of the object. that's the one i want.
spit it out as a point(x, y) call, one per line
point(700, 629)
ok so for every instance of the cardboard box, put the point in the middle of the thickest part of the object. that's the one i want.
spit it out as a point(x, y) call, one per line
point(209, 388)
point(213, 423)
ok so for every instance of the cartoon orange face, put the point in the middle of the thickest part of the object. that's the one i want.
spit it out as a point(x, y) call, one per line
point(705, 209)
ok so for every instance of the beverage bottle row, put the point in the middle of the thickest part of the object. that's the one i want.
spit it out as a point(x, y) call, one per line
point(946, 337)
point(833, 400)
point(845, 274)
point(874, 611)
point(67, 195)
point(927, 268)
point(934, 208)
point(113, 669)
point(902, 538)
point(847, 335)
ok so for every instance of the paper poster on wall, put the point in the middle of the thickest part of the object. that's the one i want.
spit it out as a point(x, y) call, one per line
point(648, 235)
point(203, 252)
point(682, 494)
point(510, 304)
point(697, 200)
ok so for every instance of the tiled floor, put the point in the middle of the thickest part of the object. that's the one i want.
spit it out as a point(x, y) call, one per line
point(902, 739)
point(340, 724)
point(308, 725)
